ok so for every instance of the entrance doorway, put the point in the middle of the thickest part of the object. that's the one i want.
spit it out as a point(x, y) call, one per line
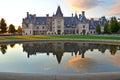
point(84, 32)
point(59, 32)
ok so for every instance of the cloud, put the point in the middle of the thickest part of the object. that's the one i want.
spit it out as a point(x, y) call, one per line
point(84, 4)
point(115, 8)
point(78, 63)
point(115, 59)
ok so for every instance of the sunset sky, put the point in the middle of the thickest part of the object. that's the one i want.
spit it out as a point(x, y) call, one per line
point(14, 10)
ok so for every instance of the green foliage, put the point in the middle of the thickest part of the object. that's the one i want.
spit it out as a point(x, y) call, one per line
point(98, 28)
point(119, 28)
point(3, 48)
point(11, 28)
point(12, 45)
point(65, 37)
point(113, 49)
point(3, 26)
point(107, 28)
point(118, 32)
point(114, 25)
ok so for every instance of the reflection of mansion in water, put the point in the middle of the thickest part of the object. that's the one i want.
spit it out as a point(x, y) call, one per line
point(58, 48)
point(58, 24)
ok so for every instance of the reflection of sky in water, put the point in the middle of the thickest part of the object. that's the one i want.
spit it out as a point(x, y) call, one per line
point(15, 60)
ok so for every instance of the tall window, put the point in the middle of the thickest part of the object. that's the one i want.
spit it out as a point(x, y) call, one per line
point(83, 26)
point(59, 26)
point(43, 27)
point(58, 22)
point(37, 27)
point(30, 32)
point(91, 32)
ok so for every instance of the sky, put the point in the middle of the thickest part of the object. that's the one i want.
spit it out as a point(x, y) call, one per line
point(13, 11)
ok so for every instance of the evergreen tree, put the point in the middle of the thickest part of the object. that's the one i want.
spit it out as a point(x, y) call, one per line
point(11, 28)
point(98, 28)
point(3, 26)
point(107, 28)
point(114, 25)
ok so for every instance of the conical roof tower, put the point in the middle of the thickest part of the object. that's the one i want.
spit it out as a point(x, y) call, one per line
point(59, 12)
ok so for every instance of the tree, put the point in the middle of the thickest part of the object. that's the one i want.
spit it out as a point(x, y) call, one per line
point(98, 28)
point(3, 48)
point(114, 25)
point(3, 26)
point(19, 30)
point(11, 28)
point(113, 49)
point(118, 31)
point(119, 28)
point(12, 45)
point(107, 28)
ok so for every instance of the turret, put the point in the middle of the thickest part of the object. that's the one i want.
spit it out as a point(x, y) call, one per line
point(59, 12)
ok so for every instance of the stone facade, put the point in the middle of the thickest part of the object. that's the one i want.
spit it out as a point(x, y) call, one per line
point(60, 25)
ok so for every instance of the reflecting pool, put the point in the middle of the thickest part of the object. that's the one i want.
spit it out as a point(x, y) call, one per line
point(59, 57)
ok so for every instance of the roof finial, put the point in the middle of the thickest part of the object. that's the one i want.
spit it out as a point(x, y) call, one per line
point(59, 2)
point(75, 12)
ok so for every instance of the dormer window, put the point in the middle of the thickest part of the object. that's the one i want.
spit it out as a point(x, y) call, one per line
point(37, 27)
point(59, 26)
point(58, 21)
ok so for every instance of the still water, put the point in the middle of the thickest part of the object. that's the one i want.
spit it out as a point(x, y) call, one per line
point(58, 57)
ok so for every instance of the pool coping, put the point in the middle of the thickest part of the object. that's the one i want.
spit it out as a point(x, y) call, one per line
point(85, 76)
point(67, 40)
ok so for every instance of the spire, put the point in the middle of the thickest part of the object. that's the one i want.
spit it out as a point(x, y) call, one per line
point(59, 12)
point(59, 56)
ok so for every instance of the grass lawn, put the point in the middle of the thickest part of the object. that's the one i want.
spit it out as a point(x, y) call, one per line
point(37, 37)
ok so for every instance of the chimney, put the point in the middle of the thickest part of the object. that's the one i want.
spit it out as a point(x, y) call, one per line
point(23, 19)
point(27, 14)
point(34, 15)
point(92, 19)
point(47, 15)
point(72, 14)
point(83, 13)
point(53, 14)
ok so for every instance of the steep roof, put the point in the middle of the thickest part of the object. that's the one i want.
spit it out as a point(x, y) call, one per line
point(93, 23)
point(75, 19)
point(40, 20)
point(59, 12)
point(83, 19)
point(103, 20)
point(68, 22)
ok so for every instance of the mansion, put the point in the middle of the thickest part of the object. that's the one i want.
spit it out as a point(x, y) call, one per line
point(59, 25)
